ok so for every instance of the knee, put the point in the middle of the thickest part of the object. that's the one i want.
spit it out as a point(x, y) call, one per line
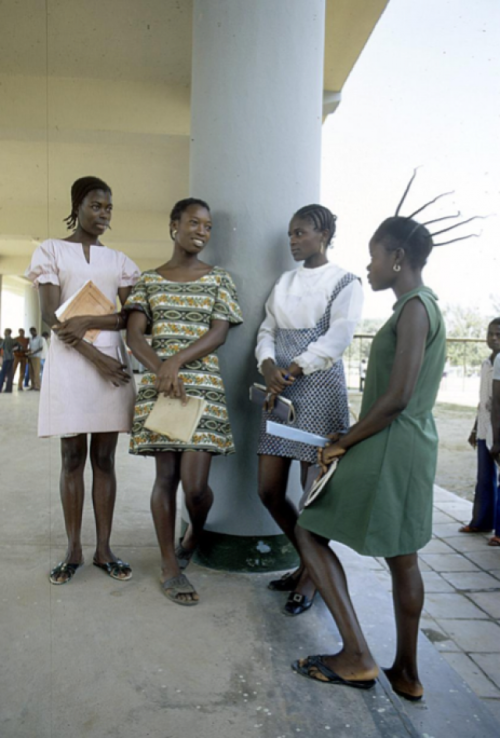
point(268, 496)
point(73, 460)
point(103, 461)
point(196, 496)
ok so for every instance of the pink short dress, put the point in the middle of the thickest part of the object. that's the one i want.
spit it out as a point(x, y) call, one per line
point(74, 398)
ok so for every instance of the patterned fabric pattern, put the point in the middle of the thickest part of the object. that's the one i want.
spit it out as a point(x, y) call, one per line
point(179, 314)
point(319, 399)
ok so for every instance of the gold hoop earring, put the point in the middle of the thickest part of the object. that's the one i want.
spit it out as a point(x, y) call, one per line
point(397, 267)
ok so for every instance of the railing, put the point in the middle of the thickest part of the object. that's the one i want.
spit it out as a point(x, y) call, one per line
point(461, 374)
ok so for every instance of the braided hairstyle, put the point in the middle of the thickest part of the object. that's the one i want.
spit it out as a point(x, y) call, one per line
point(405, 233)
point(321, 218)
point(79, 191)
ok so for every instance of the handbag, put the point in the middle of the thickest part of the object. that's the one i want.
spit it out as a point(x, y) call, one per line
point(283, 408)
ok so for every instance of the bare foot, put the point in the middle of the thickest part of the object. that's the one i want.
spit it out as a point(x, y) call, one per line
point(405, 686)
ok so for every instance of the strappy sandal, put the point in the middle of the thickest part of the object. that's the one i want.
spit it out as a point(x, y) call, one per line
point(183, 556)
point(116, 568)
point(66, 568)
point(176, 586)
point(305, 667)
point(494, 541)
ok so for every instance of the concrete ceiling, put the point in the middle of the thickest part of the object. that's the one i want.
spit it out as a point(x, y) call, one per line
point(93, 87)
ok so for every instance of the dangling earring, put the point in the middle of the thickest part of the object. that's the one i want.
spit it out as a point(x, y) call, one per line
point(397, 267)
point(174, 233)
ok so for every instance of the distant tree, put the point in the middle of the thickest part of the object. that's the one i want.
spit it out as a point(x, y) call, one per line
point(465, 322)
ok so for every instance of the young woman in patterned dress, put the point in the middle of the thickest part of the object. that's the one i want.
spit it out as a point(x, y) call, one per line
point(311, 316)
point(188, 306)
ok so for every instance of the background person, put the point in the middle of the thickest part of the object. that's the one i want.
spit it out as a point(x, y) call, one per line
point(34, 357)
point(20, 358)
point(188, 306)
point(485, 514)
point(8, 346)
point(86, 388)
point(310, 320)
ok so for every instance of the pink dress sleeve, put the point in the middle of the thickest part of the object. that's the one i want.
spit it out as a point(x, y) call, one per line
point(130, 272)
point(43, 267)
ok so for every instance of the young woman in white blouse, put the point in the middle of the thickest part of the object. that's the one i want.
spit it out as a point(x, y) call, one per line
point(310, 320)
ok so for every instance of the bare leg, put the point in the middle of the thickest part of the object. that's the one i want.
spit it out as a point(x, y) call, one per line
point(195, 468)
point(408, 597)
point(163, 509)
point(273, 481)
point(73, 456)
point(102, 457)
point(354, 661)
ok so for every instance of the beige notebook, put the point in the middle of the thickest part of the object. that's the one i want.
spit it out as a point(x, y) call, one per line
point(173, 419)
point(89, 300)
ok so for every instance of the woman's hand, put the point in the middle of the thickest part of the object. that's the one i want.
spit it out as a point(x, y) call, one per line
point(327, 454)
point(168, 381)
point(73, 330)
point(111, 369)
point(472, 440)
point(276, 378)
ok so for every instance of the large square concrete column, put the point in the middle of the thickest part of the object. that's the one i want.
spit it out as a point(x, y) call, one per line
point(255, 157)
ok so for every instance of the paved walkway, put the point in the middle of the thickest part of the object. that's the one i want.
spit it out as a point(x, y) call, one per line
point(462, 607)
point(99, 659)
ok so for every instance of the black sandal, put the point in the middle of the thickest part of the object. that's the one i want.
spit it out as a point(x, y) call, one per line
point(286, 583)
point(63, 567)
point(305, 667)
point(115, 568)
point(298, 603)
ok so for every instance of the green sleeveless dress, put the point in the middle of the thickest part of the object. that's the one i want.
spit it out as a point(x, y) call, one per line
point(379, 501)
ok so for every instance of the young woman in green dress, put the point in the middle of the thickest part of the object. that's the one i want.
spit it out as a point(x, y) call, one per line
point(188, 306)
point(379, 501)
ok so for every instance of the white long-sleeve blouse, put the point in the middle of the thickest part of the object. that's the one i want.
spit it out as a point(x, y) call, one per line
point(298, 300)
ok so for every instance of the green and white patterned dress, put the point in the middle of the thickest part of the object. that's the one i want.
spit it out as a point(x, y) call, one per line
point(178, 314)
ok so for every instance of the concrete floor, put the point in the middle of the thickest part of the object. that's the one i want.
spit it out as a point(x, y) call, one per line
point(99, 658)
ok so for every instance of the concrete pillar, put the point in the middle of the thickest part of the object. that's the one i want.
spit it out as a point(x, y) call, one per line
point(255, 157)
point(32, 315)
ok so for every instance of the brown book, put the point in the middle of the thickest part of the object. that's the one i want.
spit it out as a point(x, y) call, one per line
point(89, 300)
point(171, 418)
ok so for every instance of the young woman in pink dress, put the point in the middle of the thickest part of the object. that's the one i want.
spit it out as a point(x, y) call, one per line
point(86, 388)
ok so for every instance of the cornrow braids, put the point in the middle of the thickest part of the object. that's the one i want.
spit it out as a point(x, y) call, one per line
point(321, 218)
point(398, 232)
point(404, 232)
point(79, 191)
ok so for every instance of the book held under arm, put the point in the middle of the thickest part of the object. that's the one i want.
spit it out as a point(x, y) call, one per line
point(171, 418)
point(89, 300)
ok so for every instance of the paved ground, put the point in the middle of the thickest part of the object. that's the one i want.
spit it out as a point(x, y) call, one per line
point(99, 658)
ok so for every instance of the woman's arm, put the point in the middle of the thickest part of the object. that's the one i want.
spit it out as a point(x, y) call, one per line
point(73, 330)
point(412, 329)
point(109, 368)
point(167, 371)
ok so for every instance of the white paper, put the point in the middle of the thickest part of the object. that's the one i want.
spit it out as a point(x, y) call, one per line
point(295, 434)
